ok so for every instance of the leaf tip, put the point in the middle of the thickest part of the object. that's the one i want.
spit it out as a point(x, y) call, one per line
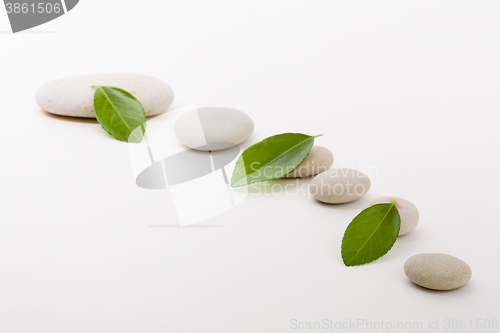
point(349, 263)
point(344, 260)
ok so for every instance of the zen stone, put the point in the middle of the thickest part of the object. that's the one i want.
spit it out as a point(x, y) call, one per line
point(317, 161)
point(437, 271)
point(74, 96)
point(213, 128)
point(407, 211)
point(339, 185)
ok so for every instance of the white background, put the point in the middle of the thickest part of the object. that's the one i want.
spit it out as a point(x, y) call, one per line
point(410, 88)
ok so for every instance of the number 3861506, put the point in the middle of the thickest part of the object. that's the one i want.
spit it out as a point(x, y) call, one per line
point(39, 8)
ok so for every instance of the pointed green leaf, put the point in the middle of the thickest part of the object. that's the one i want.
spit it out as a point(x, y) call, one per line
point(119, 113)
point(271, 158)
point(371, 234)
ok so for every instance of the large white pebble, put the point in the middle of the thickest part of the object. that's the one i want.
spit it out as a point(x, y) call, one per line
point(213, 128)
point(407, 211)
point(437, 271)
point(339, 185)
point(74, 96)
point(317, 161)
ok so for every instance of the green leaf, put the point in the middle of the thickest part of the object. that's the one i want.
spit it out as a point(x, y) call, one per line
point(119, 113)
point(272, 158)
point(371, 234)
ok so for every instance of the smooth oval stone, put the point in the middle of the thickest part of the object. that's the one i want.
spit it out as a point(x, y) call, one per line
point(407, 211)
point(74, 96)
point(437, 271)
point(339, 185)
point(213, 128)
point(317, 161)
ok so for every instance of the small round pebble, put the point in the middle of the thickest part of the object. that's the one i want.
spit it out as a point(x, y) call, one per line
point(74, 96)
point(213, 128)
point(339, 185)
point(407, 211)
point(319, 160)
point(437, 271)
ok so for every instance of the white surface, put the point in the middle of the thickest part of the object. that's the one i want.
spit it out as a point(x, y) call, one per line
point(406, 91)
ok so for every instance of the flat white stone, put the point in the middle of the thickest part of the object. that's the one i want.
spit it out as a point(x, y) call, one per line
point(317, 161)
point(213, 128)
point(74, 96)
point(407, 211)
point(437, 271)
point(339, 185)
